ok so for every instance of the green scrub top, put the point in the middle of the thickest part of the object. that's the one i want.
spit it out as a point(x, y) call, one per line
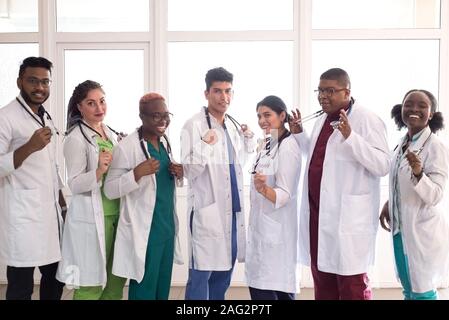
point(163, 224)
point(110, 207)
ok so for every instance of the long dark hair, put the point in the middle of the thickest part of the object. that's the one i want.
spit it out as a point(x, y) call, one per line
point(277, 105)
point(79, 94)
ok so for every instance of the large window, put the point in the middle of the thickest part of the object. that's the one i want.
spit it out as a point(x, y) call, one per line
point(216, 15)
point(18, 16)
point(365, 14)
point(102, 16)
point(123, 86)
point(11, 56)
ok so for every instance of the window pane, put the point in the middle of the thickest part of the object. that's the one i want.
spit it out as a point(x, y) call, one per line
point(11, 56)
point(259, 68)
point(18, 16)
point(102, 15)
point(361, 14)
point(123, 87)
point(231, 15)
point(381, 71)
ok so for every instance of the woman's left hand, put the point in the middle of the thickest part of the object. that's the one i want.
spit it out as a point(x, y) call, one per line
point(415, 162)
point(260, 183)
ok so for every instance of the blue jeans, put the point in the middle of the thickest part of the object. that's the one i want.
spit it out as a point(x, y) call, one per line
point(404, 275)
point(211, 285)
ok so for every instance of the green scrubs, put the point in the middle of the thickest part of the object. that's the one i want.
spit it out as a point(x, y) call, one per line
point(114, 284)
point(156, 281)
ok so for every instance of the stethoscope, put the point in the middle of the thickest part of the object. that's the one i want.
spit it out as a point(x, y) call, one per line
point(269, 150)
point(144, 149)
point(401, 153)
point(236, 124)
point(82, 124)
point(41, 112)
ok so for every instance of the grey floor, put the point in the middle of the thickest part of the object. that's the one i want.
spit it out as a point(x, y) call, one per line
point(241, 293)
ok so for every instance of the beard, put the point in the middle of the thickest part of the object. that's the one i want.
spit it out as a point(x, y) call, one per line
point(30, 100)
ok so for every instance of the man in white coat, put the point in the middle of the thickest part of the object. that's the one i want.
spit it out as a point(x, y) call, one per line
point(348, 153)
point(30, 215)
point(213, 148)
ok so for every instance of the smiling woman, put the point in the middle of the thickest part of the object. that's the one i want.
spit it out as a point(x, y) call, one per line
point(412, 214)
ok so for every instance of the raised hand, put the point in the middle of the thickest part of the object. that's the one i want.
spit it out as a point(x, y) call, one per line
point(294, 122)
point(40, 138)
point(344, 126)
point(210, 137)
point(415, 163)
point(260, 183)
point(247, 133)
point(104, 160)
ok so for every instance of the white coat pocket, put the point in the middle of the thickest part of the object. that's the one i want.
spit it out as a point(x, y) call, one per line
point(25, 206)
point(207, 222)
point(81, 209)
point(270, 230)
point(357, 214)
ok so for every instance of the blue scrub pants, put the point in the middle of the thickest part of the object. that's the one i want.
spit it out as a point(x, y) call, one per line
point(211, 285)
point(404, 275)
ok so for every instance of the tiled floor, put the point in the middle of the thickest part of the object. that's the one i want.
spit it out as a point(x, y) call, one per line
point(241, 293)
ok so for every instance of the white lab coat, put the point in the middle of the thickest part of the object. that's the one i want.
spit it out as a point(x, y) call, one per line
point(209, 192)
point(349, 194)
point(425, 229)
point(271, 250)
point(137, 201)
point(30, 215)
point(83, 260)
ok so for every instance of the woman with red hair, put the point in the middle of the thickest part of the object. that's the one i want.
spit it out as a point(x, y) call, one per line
point(143, 175)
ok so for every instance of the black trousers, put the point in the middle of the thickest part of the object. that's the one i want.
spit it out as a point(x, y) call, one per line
point(21, 283)
point(259, 294)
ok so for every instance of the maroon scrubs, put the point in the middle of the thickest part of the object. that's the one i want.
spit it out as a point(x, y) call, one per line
point(328, 286)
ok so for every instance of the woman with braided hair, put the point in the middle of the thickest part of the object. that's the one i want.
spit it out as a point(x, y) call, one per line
point(91, 223)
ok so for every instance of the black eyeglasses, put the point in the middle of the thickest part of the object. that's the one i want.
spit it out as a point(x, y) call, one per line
point(329, 92)
point(157, 116)
point(35, 82)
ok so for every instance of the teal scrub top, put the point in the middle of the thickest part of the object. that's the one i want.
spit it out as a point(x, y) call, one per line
point(163, 224)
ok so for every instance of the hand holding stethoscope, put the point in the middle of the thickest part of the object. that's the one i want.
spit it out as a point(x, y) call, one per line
point(260, 183)
point(415, 163)
point(343, 125)
point(104, 160)
point(40, 138)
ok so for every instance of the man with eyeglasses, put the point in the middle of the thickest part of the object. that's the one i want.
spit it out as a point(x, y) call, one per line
point(213, 150)
point(30, 187)
point(348, 153)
